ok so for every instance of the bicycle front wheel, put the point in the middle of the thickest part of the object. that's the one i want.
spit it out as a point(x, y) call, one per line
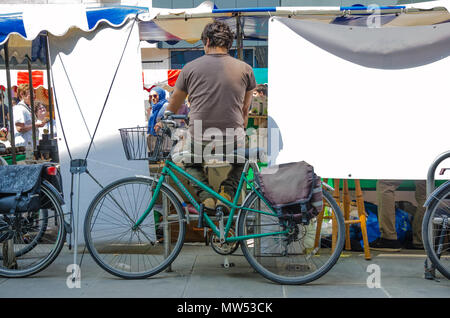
point(300, 257)
point(34, 239)
point(117, 246)
point(436, 233)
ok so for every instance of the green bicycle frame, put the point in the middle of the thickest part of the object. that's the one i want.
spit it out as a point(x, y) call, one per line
point(168, 170)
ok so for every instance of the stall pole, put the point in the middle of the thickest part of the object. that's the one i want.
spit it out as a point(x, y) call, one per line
point(240, 52)
point(33, 114)
point(2, 97)
point(11, 115)
point(50, 97)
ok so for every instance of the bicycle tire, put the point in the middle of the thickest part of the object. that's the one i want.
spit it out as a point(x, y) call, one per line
point(34, 256)
point(114, 201)
point(271, 263)
point(432, 225)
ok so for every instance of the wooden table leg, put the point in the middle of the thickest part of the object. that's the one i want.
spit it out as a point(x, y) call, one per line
point(346, 204)
point(362, 218)
point(336, 196)
point(319, 227)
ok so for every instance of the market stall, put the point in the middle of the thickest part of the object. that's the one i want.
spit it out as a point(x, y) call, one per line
point(96, 73)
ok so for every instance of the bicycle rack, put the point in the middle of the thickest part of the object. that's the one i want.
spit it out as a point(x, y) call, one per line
point(430, 270)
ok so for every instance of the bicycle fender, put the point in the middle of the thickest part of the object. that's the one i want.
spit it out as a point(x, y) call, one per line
point(435, 193)
point(54, 191)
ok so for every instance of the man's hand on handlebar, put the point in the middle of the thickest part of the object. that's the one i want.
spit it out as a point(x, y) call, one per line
point(169, 119)
point(158, 126)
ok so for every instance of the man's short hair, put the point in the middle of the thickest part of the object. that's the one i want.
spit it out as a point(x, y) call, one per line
point(219, 35)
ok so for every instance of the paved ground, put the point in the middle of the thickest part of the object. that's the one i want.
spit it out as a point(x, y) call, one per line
point(197, 273)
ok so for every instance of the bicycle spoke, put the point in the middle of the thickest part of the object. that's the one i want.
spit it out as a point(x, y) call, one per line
point(291, 258)
point(126, 251)
point(37, 237)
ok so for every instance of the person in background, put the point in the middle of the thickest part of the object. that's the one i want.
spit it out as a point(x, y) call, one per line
point(260, 90)
point(259, 102)
point(4, 115)
point(386, 216)
point(158, 104)
point(184, 110)
point(23, 134)
point(4, 137)
point(42, 117)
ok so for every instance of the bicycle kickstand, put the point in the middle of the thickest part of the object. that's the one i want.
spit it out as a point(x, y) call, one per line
point(219, 215)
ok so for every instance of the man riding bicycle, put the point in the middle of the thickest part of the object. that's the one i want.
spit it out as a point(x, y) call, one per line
point(220, 91)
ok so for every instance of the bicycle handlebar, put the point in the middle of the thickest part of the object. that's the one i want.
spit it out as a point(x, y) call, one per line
point(178, 117)
point(169, 119)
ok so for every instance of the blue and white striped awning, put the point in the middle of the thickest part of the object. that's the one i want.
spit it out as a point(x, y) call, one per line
point(58, 19)
point(24, 29)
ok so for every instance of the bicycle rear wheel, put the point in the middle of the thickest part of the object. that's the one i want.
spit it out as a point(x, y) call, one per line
point(35, 238)
point(134, 253)
point(293, 259)
point(436, 231)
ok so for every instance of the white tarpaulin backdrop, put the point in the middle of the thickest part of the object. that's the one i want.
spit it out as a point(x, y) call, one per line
point(352, 121)
point(90, 60)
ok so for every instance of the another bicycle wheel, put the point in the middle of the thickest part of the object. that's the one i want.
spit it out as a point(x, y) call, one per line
point(134, 253)
point(32, 240)
point(436, 231)
point(296, 258)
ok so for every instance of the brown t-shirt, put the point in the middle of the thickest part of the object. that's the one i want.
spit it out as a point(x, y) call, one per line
point(216, 84)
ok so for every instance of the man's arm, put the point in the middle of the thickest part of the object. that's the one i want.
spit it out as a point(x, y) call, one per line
point(176, 100)
point(22, 128)
point(247, 101)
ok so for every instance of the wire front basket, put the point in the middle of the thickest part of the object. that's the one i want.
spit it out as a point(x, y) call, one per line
point(140, 146)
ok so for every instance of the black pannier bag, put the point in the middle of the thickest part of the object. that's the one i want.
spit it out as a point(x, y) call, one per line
point(20, 187)
point(293, 189)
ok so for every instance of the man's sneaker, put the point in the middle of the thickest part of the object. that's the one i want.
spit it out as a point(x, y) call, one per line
point(381, 244)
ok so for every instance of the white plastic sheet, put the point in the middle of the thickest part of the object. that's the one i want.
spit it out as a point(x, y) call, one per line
point(350, 121)
point(90, 60)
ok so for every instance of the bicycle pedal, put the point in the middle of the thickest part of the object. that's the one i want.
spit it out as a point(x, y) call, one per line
point(223, 209)
point(210, 212)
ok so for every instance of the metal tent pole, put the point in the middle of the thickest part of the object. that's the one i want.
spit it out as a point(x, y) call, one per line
point(11, 115)
point(49, 85)
point(2, 97)
point(33, 114)
point(239, 37)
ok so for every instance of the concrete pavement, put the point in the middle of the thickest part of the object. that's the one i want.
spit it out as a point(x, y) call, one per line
point(197, 273)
